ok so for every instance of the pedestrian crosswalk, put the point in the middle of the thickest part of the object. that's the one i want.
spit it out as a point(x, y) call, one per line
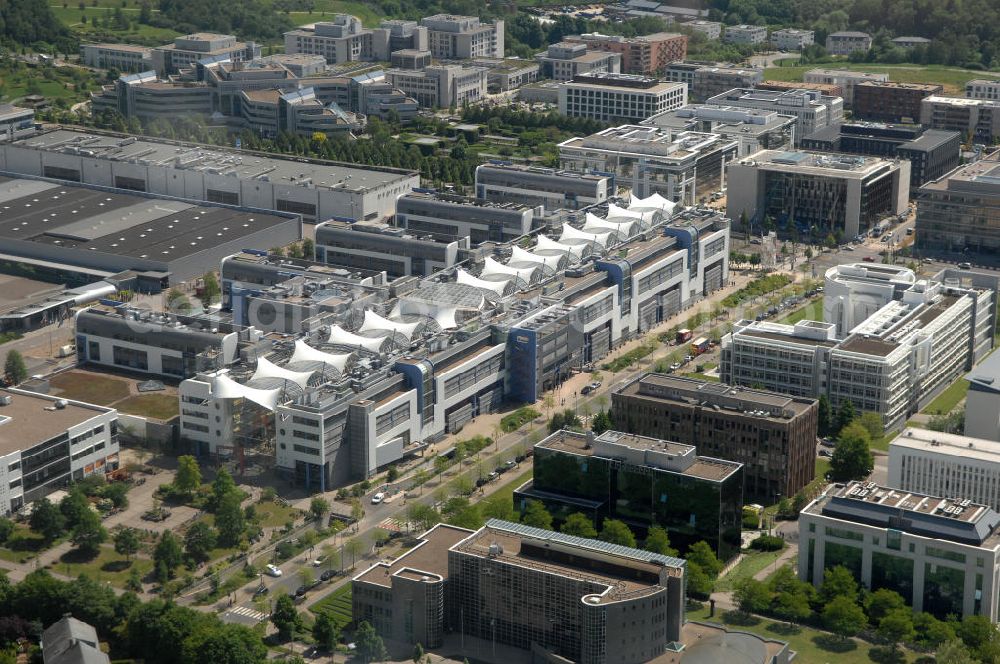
point(246, 612)
point(393, 525)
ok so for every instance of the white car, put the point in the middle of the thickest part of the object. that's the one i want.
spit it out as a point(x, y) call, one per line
point(378, 498)
point(272, 570)
point(318, 562)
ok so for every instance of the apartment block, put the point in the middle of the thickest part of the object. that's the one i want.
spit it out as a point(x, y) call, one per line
point(189, 49)
point(566, 60)
point(846, 79)
point(745, 34)
point(942, 555)
point(891, 102)
point(648, 55)
point(772, 435)
point(449, 216)
point(621, 97)
point(978, 120)
point(46, 443)
point(341, 40)
point(833, 192)
point(441, 86)
point(552, 189)
point(981, 88)
point(752, 129)
point(792, 39)
point(847, 42)
point(812, 110)
point(949, 465)
point(613, 475)
point(463, 37)
point(125, 58)
point(376, 246)
point(711, 29)
point(960, 212)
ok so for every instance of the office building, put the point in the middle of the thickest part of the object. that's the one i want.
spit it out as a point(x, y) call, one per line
point(846, 79)
point(854, 291)
point(341, 40)
point(463, 37)
point(46, 443)
point(711, 29)
point(784, 86)
point(441, 86)
point(16, 122)
point(833, 192)
point(983, 88)
point(383, 100)
point(847, 42)
point(71, 641)
point(385, 248)
point(449, 216)
point(566, 60)
point(549, 188)
point(752, 129)
point(621, 97)
point(189, 49)
point(946, 464)
point(982, 402)
point(614, 475)
point(932, 153)
point(270, 112)
point(648, 55)
point(299, 64)
point(681, 166)
point(890, 101)
point(792, 39)
point(405, 35)
point(745, 34)
point(705, 79)
point(410, 59)
point(491, 590)
point(960, 212)
point(940, 554)
point(910, 42)
point(772, 435)
point(508, 73)
point(812, 110)
point(978, 120)
point(126, 58)
point(315, 189)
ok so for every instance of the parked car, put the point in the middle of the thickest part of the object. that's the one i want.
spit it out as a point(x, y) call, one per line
point(869, 259)
point(965, 266)
point(510, 464)
point(272, 570)
point(587, 389)
point(378, 498)
point(327, 575)
point(300, 591)
point(318, 562)
point(825, 453)
point(261, 591)
point(596, 384)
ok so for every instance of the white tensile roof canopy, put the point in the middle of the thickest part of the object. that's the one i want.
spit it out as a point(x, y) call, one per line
point(374, 322)
point(342, 337)
point(499, 287)
point(268, 369)
point(224, 387)
point(306, 353)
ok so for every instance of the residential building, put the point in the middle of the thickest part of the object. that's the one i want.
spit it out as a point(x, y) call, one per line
point(890, 101)
point(752, 129)
point(622, 97)
point(845, 78)
point(410, 59)
point(706, 79)
point(792, 39)
point(982, 402)
point(940, 554)
point(614, 475)
point(833, 192)
point(549, 188)
point(16, 122)
point(463, 37)
point(960, 212)
point(711, 29)
point(949, 465)
point(46, 443)
point(682, 166)
point(812, 110)
point(978, 120)
point(745, 34)
point(189, 49)
point(71, 641)
point(341, 40)
point(847, 42)
point(772, 435)
point(566, 60)
point(126, 58)
point(385, 248)
point(648, 55)
point(314, 189)
point(932, 153)
point(980, 88)
point(441, 86)
point(910, 42)
point(477, 585)
point(449, 216)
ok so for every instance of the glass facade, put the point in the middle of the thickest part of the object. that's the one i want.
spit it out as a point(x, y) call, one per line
point(944, 589)
point(844, 555)
point(894, 573)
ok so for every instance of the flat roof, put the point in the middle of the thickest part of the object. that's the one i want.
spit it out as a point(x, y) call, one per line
point(939, 442)
point(922, 87)
point(132, 48)
point(788, 338)
point(430, 555)
point(868, 345)
point(815, 163)
point(32, 418)
point(239, 163)
point(986, 376)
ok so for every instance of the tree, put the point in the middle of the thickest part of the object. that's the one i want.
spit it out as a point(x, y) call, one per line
point(319, 507)
point(825, 414)
point(881, 602)
point(357, 511)
point(199, 541)
point(187, 479)
point(369, 644)
point(751, 596)
point(601, 422)
point(74, 507)
point(838, 582)
point(536, 515)
point(355, 548)
point(325, 632)
point(845, 415)
point(852, 457)
point(843, 617)
point(699, 582)
point(14, 368)
point(126, 542)
point(6, 529)
point(497, 506)
point(285, 617)
point(88, 533)
point(222, 486)
point(792, 606)
point(896, 626)
point(701, 554)
point(953, 652)
point(422, 515)
point(872, 422)
point(210, 290)
point(46, 519)
point(308, 249)
point(658, 541)
point(229, 519)
point(931, 632)
point(177, 301)
point(223, 644)
point(578, 524)
point(616, 532)
point(168, 553)
point(418, 654)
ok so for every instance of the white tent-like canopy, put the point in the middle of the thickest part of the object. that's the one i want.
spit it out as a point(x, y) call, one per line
point(526, 276)
point(601, 239)
point(501, 288)
point(342, 337)
point(577, 251)
point(653, 203)
point(443, 315)
point(374, 322)
point(224, 387)
point(268, 369)
point(551, 263)
point(306, 353)
point(621, 228)
point(615, 212)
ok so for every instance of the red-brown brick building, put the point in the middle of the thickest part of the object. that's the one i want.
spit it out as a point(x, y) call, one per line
point(890, 101)
point(647, 55)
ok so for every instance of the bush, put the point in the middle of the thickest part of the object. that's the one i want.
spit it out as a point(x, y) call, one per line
point(768, 543)
point(518, 418)
point(756, 288)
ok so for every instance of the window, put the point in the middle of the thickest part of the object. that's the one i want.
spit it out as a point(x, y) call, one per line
point(224, 197)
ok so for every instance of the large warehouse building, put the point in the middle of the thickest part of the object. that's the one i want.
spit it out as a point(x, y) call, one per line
point(317, 190)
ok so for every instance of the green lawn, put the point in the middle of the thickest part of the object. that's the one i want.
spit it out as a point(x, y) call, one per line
point(948, 400)
point(325, 9)
point(274, 515)
point(697, 375)
point(752, 563)
point(106, 566)
point(23, 545)
point(337, 605)
point(156, 406)
point(137, 33)
point(952, 78)
point(92, 388)
point(813, 310)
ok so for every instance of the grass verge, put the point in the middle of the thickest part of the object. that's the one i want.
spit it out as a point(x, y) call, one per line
point(946, 402)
